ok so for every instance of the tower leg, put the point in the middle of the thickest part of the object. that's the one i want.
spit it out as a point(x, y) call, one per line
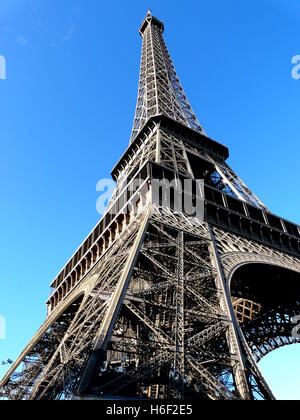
point(238, 359)
point(108, 323)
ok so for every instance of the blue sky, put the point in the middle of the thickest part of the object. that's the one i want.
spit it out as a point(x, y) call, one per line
point(66, 111)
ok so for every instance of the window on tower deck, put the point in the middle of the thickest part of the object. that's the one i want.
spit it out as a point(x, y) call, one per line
point(202, 169)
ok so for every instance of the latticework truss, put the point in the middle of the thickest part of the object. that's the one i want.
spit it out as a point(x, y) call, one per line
point(160, 91)
point(158, 303)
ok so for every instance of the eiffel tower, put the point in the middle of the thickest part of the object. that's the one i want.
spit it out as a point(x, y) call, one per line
point(159, 303)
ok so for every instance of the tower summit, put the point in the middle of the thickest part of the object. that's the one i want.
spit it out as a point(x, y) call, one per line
point(160, 91)
point(151, 20)
point(160, 302)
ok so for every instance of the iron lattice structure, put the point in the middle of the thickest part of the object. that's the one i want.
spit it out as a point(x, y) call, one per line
point(157, 303)
point(160, 91)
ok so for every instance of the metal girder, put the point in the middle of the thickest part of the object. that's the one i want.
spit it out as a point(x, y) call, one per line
point(150, 309)
point(179, 362)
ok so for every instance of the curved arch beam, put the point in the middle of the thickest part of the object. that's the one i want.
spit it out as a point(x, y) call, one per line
point(239, 260)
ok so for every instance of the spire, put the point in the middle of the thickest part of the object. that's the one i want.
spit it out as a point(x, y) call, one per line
point(150, 19)
point(160, 91)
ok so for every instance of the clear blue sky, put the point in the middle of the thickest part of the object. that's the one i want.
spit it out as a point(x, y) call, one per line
point(66, 112)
